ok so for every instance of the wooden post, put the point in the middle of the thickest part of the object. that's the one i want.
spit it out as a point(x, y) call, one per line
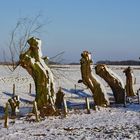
point(36, 111)
point(125, 100)
point(138, 93)
point(87, 105)
point(65, 107)
point(30, 88)
point(14, 89)
point(6, 123)
point(135, 81)
point(75, 88)
point(138, 97)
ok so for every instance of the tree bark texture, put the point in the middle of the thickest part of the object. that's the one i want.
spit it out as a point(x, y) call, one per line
point(129, 82)
point(59, 98)
point(98, 90)
point(32, 61)
point(114, 81)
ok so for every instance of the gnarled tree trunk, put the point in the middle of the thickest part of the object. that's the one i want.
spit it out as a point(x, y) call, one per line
point(129, 82)
point(99, 93)
point(32, 61)
point(114, 81)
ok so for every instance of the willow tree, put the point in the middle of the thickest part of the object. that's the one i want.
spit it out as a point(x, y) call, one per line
point(28, 50)
point(32, 61)
point(98, 90)
point(113, 80)
point(129, 82)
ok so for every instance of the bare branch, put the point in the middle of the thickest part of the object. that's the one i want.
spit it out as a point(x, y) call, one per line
point(24, 28)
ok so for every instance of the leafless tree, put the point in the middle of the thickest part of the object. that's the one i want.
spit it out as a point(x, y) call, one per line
point(32, 61)
point(113, 80)
point(25, 50)
point(24, 28)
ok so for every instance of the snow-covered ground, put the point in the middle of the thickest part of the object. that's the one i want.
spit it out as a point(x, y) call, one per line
point(114, 122)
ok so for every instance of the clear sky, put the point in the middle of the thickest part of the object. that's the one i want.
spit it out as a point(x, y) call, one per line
point(109, 29)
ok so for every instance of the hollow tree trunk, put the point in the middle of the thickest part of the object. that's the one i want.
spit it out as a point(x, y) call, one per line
point(129, 82)
point(99, 93)
point(114, 81)
point(32, 61)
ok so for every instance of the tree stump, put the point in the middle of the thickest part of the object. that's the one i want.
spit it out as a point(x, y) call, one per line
point(14, 104)
point(98, 90)
point(59, 98)
point(114, 81)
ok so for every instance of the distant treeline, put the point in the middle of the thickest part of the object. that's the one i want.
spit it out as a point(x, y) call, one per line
point(8, 63)
point(107, 62)
point(15, 63)
point(126, 62)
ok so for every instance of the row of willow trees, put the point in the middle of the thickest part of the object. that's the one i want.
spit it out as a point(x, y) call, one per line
point(32, 60)
point(47, 102)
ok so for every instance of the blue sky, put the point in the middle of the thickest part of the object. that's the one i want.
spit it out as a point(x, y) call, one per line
point(109, 29)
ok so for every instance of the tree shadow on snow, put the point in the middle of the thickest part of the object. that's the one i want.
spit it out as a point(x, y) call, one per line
point(21, 99)
point(25, 110)
point(32, 95)
point(80, 95)
point(1, 111)
point(73, 105)
point(129, 106)
point(78, 92)
point(111, 98)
